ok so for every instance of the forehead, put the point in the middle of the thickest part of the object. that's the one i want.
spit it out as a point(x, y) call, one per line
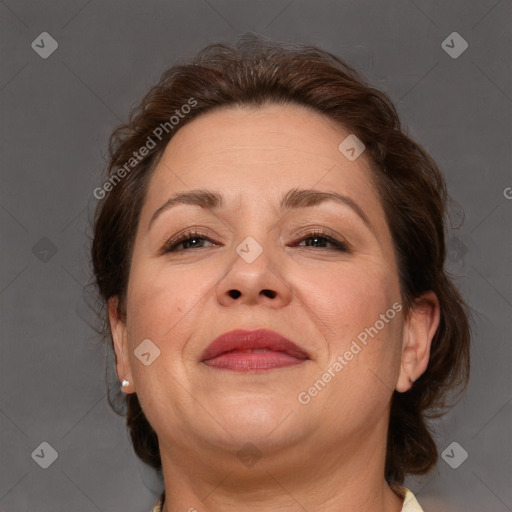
point(256, 150)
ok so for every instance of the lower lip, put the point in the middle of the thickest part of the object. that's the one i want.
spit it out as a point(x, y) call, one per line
point(247, 361)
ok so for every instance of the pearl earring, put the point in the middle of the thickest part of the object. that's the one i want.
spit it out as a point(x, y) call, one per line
point(125, 383)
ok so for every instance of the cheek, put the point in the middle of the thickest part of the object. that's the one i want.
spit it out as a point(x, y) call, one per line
point(160, 298)
point(359, 314)
point(165, 307)
point(350, 298)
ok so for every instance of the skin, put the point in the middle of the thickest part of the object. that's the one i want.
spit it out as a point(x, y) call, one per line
point(330, 452)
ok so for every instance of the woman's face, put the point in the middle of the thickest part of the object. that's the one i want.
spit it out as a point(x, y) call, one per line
point(258, 264)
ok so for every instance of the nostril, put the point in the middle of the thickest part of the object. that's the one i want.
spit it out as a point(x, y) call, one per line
point(234, 294)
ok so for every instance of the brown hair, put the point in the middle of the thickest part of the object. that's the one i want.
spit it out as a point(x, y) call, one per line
point(256, 71)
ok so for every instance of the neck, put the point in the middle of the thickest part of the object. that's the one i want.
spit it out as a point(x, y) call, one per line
point(349, 479)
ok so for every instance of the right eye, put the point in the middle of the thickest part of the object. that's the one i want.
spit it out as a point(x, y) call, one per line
point(188, 240)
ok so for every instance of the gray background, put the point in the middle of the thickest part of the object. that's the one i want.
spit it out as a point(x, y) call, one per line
point(56, 115)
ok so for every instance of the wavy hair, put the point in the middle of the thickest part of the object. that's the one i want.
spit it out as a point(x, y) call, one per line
point(257, 71)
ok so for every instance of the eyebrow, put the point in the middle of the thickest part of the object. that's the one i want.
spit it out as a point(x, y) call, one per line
point(295, 198)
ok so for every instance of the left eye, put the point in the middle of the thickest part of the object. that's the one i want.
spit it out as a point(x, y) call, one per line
point(322, 238)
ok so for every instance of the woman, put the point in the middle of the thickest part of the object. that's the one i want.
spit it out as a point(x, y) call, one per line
point(270, 246)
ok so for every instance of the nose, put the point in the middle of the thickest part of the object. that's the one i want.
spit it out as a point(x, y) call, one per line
point(254, 282)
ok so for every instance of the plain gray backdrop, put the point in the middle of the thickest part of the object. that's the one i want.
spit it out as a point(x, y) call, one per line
point(56, 115)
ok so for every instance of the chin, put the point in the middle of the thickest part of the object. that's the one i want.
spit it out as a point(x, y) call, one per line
point(256, 420)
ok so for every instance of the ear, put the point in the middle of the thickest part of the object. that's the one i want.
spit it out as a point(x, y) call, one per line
point(119, 337)
point(419, 330)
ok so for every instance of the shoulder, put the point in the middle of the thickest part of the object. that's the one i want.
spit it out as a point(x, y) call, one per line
point(157, 507)
point(410, 502)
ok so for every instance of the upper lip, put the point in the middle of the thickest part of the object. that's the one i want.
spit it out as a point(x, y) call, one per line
point(245, 340)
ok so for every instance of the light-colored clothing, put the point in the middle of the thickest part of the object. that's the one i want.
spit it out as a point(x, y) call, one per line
point(410, 503)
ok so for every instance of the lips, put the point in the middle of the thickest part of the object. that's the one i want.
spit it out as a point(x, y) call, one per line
point(261, 349)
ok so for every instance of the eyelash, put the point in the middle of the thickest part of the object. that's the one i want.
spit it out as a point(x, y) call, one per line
point(170, 245)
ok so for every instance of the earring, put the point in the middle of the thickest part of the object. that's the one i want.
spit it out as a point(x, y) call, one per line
point(125, 383)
